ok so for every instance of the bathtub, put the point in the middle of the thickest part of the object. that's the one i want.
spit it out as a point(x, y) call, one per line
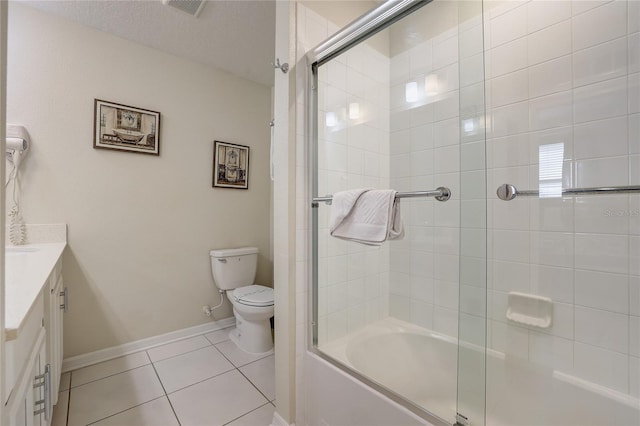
point(421, 366)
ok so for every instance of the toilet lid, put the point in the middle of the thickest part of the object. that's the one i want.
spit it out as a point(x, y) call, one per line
point(254, 295)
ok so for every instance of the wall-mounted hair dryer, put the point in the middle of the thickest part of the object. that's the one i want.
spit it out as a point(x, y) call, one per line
point(18, 143)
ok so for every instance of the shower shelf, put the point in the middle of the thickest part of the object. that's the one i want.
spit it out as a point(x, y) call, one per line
point(529, 309)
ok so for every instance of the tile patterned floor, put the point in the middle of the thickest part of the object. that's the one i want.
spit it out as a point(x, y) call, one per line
point(203, 380)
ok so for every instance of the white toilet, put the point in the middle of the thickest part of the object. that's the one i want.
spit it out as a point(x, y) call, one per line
point(234, 271)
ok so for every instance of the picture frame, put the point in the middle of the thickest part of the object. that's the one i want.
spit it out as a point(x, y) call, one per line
point(125, 128)
point(230, 165)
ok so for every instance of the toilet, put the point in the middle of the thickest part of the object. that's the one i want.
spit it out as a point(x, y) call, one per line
point(233, 272)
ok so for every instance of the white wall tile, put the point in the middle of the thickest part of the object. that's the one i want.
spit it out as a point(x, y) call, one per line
point(508, 151)
point(422, 314)
point(600, 100)
point(604, 329)
point(552, 214)
point(601, 24)
point(552, 248)
point(634, 17)
point(553, 282)
point(508, 120)
point(551, 111)
point(603, 138)
point(470, 42)
point(446, 132)
point(634, 295)
point(550, 77)
point(606, 214)
point(582, 6)
point(602, 172)
point(602, 291)
point(634, 93)
point(601, 252)
point(509, 88)
point(602, 62)
point(549, 43)
point(507, 58)
point(511, 246)
point(420, 58)
point(541, 14)
point(634, 336)
point(445, 52)
point(471, 71)
point(509, 26)
point(445, 321)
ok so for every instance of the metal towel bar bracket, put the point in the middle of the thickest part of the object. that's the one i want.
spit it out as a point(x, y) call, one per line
point(508, 192)
point(440, 194)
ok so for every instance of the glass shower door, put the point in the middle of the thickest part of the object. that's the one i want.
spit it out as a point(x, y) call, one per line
point(400, 109)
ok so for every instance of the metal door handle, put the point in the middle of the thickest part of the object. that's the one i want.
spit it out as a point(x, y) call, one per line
point(65, 304)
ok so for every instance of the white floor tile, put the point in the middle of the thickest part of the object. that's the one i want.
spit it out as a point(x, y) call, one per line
point(262, 374)
point(193, 367)
point(177, 348)
point(218, 336)
point(153, 413)
point(65, 382)
point(108, 368)
point(216, 401)
point(102, 398)
point(259, 417)
point(59, 417)
point(236, 355)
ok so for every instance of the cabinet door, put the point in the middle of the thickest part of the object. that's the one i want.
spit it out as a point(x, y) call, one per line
point(54, 331)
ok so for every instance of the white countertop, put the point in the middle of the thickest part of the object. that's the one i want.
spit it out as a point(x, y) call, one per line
point(27, 268)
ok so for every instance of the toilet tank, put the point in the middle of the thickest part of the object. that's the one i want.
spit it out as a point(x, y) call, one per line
point(233, 268)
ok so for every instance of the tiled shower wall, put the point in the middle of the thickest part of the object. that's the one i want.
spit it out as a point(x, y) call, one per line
point(562, 78)
point(353, 146)
point(425, 154)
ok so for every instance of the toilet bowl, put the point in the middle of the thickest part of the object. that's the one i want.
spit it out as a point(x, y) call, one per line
point(234, 271)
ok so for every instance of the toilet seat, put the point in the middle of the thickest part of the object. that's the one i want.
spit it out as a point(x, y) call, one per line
point(254, 295)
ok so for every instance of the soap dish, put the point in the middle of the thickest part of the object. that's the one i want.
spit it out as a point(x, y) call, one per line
point(529, 309)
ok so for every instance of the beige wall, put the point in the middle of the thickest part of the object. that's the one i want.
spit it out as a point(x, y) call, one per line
point(140, 227)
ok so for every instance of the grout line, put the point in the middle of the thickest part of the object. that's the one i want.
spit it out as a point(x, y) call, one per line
point(110, 375)
point(200, 381)
point(120, 412)
point(248, 412)
point(252, 384)
point(180, 354)
point(166, 395)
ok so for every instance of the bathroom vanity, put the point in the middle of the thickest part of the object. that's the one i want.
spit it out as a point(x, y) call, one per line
point(35, 302)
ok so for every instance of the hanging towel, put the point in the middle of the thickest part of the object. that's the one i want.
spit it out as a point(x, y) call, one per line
point(366, 216)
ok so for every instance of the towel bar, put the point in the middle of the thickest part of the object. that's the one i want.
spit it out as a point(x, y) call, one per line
point(508, 192)
point(440, 194)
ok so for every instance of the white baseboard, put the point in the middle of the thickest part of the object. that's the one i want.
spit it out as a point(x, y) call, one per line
point(106, 354)
point(279, 421)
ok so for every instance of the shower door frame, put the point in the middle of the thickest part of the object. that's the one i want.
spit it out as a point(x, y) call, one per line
point(359, 30)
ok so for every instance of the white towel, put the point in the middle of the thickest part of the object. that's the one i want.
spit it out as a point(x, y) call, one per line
point(366, 216)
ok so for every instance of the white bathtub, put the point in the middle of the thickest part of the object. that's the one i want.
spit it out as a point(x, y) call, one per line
point(421, 366)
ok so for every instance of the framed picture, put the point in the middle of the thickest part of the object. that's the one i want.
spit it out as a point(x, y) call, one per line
point(230, 165)
point(125, 128)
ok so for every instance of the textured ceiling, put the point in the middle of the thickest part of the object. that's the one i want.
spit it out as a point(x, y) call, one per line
point(236, 36)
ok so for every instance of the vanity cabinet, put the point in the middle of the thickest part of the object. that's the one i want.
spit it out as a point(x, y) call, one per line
point(33, 360)
point(53, 324)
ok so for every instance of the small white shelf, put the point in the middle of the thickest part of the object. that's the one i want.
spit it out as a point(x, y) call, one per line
point(529, 309)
